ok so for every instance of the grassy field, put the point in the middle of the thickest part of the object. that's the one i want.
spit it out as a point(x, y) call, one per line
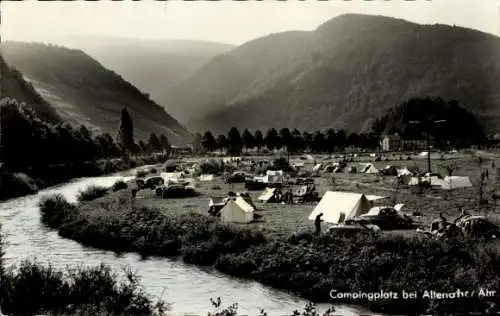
point(282, 219)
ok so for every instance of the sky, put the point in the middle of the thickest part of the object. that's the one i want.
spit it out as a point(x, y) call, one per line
point(226, 21)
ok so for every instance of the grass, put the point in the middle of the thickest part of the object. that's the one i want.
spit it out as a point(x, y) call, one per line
point(303, 264)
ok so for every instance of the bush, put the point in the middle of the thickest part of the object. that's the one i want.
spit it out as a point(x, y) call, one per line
point(141, 173)
point(16, 184)
point(55, 210)
point(91, 193)
point(215, 167)
point(119, 185)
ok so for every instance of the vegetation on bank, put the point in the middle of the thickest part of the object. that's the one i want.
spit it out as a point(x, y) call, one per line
point(304, 264)
point(48, 153)
point(32, 288)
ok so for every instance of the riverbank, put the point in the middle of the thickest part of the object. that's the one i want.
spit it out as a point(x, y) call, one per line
point(17, 184)
point(303, 264)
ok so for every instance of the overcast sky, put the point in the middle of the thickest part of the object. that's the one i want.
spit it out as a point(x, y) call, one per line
point(224, 21)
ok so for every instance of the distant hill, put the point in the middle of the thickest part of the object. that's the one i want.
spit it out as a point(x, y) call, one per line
point(154, 66)
point(13, 85)
point(344, 74)
point(84, 92)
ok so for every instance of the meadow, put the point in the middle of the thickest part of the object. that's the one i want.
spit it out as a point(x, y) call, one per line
point(302, 263)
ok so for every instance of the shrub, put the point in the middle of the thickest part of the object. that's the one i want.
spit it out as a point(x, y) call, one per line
point(91, 193)
point(119, 185)
point(55, 209)
point(215, 167)
point(141, 173)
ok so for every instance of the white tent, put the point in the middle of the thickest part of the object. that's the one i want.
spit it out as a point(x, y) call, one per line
point(317, 167)
point(267, 195)
point(237, 211)
point(413, 181)
point(372, 198)
point(309, 157)
point(404, 172)
point(206, 177)
point(424, 153)
point(369, 168)
point(339, 206)
point(456, 182)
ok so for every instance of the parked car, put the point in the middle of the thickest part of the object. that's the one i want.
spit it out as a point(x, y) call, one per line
point(237, 177)
point(153, 182)
point(388, 218)
point(353, 226)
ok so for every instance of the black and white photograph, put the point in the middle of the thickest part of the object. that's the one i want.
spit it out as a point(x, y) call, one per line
point(258, 157)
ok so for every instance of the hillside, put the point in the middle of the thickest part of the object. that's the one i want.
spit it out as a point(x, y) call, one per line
point(154, 66)
point(343, 75)
point(84, 92)
point(13, 85)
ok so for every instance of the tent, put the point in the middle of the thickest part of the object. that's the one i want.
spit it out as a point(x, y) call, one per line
point(369, 168)
point(404, 172)
point(237, 210)
point(413, 181)
point(317, 167)
point(207, 177)
point(456, 182)
point(309, 157)
point(339, 206)
point(269, 195)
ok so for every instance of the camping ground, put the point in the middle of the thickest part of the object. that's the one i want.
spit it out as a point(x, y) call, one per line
point(280, 219)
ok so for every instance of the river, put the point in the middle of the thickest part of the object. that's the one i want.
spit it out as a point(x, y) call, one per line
point(187, 288)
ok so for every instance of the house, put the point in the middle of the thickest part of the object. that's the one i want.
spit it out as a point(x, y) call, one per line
point(339, 206)
point(413, 144)
point(237, 210)
point(397, 143)
point(391, 143)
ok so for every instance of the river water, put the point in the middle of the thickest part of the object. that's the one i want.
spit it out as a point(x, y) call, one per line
point(187, 288)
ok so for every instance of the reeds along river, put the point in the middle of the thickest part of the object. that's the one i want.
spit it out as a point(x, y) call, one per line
point(187, 287)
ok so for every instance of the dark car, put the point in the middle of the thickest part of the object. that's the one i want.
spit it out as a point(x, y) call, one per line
point(353, 226)
point(237, 177)
point(387, 218)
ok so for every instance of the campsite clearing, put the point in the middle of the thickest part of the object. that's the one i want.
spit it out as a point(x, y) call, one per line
point(282, 219)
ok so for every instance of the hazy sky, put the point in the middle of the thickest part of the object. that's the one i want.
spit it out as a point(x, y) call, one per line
point(224, 21)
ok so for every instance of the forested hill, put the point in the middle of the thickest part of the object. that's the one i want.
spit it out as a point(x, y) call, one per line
point(154, 66)
point(13, 85)
point(84, 92)
point(348, 71)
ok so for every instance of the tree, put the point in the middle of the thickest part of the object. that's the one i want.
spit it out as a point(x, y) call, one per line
point(145, 148)
point(352, 139)
point(235, 141)
point(297, 143)
point(126, 131)
point(259, 140)
point(222, 142)
point(341, 139)
point(154, 142)
point(307, 138)
point(331, 140)
point(318, 143)
point(271, 139)
point(248, 139)
point(285, 138)
point(85, 132)
point(208, 141)
point(165, 144)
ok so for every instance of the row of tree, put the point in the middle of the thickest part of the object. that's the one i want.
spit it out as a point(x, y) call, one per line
point(293, 141)
point(29, 141)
